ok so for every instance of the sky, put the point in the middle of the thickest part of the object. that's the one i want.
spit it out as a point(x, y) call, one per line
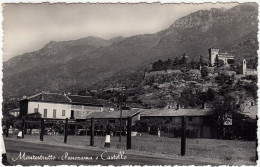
point(28, 27)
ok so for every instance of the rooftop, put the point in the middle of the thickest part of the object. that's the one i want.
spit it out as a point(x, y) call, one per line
point(175, 113)
point(114, 114)
point(49, 97)
point(61, 98)
point(14, 110)
point(87, 100)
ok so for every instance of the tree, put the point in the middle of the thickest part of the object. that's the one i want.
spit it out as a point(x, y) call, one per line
point(251, 89)
point(194, 64)
point(227, 107)
point(168, 64)
point(183, 59)
point(176, 61)
point(204, 71)
point(201, 60)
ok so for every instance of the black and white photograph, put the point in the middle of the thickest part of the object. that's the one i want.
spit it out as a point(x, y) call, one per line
point(129, 84)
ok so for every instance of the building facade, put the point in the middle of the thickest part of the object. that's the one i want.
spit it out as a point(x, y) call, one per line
point(215, 56)
point(196, 120)
point(59, 106)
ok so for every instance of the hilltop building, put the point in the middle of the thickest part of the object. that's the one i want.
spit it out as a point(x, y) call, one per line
point(59, 106)
point(215, 56)
point(246, 71)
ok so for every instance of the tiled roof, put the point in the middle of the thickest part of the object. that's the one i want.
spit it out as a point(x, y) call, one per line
point(76, 99)
point(50, 97)
point(175, 113)
point(61, 98)
point(114, 114)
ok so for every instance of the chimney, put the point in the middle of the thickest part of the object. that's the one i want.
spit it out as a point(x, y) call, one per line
point(42, 96)
point(203, 105)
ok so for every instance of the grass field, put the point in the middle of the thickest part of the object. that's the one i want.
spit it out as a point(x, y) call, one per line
point(228, 151)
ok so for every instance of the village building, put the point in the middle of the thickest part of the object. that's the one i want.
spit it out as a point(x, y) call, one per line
point(215, 56)
point(59, 106)
point(15, 112)
point(196, 119)
point(246, 71)
point(81, 106)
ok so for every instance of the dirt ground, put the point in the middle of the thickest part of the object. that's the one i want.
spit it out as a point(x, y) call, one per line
point(234, 152)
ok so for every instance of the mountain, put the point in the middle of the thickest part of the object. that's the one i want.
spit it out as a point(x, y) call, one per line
point(94, 62)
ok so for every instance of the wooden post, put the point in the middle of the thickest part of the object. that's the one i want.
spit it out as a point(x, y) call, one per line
point(120, 123)
point(92, 132)
point(129, 130)
point(42, 129)
point(183, 136)
point(23, 125)
point(25, 128)
point(66, 130)
point(7, 128)
point(75, 130)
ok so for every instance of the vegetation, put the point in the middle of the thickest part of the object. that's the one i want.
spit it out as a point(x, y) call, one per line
point(178, 63)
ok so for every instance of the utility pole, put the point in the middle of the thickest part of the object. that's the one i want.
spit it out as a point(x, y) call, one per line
point(66, 130)
point(129, 131)
point(92, 132)
point(23, 127)
point(183, 136)
point(42, 129)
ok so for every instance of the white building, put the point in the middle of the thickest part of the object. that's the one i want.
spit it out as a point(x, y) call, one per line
point(59, 106)
point(215, 56)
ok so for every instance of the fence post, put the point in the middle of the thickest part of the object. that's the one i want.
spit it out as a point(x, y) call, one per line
point(42, 129)
point(183, 136)
point(129, 130)
point(92, 132)
point(23, 124)
point(7, 128)
point(66, 130)
point(25, 127)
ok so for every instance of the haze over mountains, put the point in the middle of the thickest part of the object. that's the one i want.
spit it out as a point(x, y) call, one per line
point(93, 62)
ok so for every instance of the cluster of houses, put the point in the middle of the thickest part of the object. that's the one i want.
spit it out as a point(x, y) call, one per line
point(55, 106)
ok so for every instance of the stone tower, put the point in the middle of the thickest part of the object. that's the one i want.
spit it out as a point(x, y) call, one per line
point(244, 67)
point(213, 52)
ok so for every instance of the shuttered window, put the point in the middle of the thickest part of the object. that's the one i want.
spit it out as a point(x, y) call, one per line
point(63, 112)
point(54, 113)
point(35, 110)
point(45, 113)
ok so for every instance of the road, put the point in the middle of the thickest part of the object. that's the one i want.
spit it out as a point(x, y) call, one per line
point(20, 152)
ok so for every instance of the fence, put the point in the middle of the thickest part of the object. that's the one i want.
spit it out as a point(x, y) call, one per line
point(91, 133)
point(68, 128)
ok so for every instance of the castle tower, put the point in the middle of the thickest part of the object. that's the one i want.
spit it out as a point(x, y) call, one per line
point(212, 56)
point(244, 67)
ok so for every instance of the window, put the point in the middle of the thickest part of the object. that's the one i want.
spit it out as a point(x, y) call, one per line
point(190, 119)
point(54, 113)
point(35, 110)
point(45, 113)
point(63, 112)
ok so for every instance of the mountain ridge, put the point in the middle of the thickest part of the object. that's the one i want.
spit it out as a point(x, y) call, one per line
point(76, 64)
